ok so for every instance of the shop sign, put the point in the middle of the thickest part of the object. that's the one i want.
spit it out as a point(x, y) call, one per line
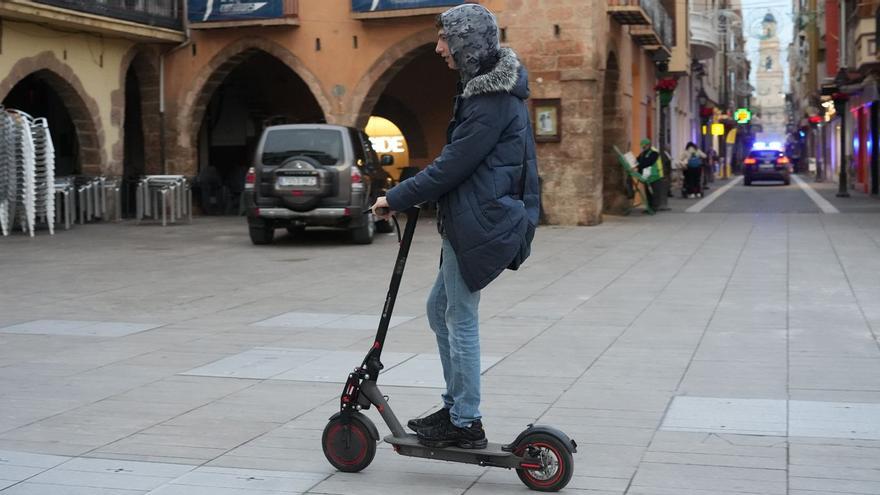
point(230, 10)
point(379, 5)
point(742, 115)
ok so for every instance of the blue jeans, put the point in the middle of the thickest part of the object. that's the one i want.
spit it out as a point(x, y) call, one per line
point(452, 313)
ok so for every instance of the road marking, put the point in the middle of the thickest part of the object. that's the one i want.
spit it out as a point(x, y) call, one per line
point(817, 198)
point(703, 203)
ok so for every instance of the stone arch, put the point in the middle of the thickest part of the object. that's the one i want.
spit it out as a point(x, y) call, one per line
point(83, 109)
point(371, 86)
point(194, 103)
point(144, 61)
point(614, 198)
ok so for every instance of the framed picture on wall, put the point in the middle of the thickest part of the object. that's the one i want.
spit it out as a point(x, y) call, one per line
point(547, 119)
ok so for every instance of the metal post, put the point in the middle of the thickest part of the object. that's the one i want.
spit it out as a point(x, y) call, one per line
point(842, 190)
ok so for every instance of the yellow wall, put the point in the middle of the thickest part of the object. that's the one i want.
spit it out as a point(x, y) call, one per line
point(96, 63)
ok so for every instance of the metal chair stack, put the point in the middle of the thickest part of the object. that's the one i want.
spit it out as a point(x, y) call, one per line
point(65, 201)
point(8, 172)
point(26, 192)
point(44, 173)
point(165, 196)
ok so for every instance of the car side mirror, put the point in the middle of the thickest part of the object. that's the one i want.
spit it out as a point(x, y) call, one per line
point(387, 160)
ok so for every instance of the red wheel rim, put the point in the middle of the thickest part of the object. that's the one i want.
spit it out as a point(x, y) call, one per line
point(560, 466)
point(331, 450)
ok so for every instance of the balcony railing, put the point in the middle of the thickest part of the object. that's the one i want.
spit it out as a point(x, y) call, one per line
point(704, 37)
point(159, 13)
point(652, 24)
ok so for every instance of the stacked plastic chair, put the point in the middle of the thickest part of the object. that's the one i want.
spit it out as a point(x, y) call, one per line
point(8, 175)
point(24, 160)
point(44, 173)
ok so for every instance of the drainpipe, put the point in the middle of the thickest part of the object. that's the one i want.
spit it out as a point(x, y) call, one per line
point(186, 42)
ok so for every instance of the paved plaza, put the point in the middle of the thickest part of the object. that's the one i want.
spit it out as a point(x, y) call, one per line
point(728, 350)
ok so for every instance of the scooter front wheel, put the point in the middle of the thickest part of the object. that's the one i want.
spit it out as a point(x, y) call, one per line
point(348, 444)
point(555, 461)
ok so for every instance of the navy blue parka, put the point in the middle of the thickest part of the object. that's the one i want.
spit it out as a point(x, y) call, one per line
point(476, 180)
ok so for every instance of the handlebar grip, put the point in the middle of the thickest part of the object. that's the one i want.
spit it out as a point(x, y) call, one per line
point(380, 211)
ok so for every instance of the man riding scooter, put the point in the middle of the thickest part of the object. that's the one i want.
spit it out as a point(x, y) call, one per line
point(486, 184)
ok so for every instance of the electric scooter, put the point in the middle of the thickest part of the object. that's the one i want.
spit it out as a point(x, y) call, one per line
point(541, 455)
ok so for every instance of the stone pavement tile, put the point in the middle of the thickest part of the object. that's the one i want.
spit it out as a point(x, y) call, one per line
point(601, 417)
point(19, 466)
point(840, 485)
point(111, 474)
point(606, 397)
point(834, 420)
point(834, 453)
point(640, 490)
point(739, 416)
point(817, 394)
point(190, 390)
point(222, 481)
point(29, 488)
point(718, 450)
point(370, 482)
point(716, 478)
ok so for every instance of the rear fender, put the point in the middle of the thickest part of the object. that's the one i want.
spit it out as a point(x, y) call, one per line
point(570, 444)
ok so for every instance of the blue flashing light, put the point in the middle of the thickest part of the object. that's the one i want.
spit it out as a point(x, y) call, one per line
point(775, 145)
point(759, 145)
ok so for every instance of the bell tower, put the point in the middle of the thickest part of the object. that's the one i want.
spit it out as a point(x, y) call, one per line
point(770, 94)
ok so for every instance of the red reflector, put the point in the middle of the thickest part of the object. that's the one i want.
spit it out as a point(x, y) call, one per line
point(376, 345)
point(355, 175)
point(297, 193)
point(346, 399)
point(750, 161)
point(251, 176)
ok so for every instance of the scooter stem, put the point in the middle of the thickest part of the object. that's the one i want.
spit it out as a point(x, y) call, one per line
point(372, 361)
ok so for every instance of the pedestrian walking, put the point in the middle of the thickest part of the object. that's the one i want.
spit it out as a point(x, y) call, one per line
point(709, 165)
point(486, 184)
point(692, 163)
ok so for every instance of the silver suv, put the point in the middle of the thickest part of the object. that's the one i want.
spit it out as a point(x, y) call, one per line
point(308, 175)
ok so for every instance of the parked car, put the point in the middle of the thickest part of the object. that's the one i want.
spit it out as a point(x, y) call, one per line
point(307, 175)
point(766, 164)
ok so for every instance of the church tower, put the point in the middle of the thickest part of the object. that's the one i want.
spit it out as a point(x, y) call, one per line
point(770, 101)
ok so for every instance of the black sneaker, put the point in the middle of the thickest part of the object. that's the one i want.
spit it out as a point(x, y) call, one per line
point(447, 434)
point(429, 421)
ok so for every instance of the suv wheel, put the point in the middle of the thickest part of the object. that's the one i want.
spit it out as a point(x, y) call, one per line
point(364, 233)
point(261, 232)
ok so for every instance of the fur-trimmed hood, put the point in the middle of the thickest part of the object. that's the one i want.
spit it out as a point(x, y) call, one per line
point(508, 76)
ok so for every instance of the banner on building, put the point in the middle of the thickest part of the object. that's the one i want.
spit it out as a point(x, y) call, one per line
point(230, 10)
point(379, 5)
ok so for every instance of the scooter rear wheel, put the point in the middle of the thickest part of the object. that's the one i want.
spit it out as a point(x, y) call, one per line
point(556, 460)
point(348, 444)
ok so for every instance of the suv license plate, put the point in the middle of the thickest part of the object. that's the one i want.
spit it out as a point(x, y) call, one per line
point(297, 181)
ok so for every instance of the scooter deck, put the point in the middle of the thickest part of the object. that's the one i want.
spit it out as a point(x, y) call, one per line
point(492, 455)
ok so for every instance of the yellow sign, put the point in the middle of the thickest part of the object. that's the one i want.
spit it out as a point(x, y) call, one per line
point(717, 129)
point(387, 139)
point(731, 137)
point(704, 130)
